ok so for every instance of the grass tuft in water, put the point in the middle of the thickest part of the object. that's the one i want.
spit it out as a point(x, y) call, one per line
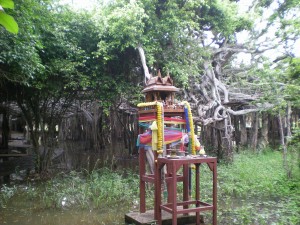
point(98, 189)
point(6, 193)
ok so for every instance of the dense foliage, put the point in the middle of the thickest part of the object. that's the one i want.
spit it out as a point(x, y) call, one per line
point(65, 57)
point(56, 60)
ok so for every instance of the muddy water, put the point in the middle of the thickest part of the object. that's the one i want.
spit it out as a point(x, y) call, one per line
point(18, 214)
point(236, 211)
point(79, 217)
point(20, 211)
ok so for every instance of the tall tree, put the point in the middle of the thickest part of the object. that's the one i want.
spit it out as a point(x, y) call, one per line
point(43, 69)
point(198, 41)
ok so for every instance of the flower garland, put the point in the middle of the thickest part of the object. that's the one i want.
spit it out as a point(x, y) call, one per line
point(160, 126)
point(145, 104)
point(191, 125)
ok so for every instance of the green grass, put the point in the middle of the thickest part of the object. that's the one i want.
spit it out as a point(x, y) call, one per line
point(6, 193)
point(99, 189)
point(255, 189)
point(257, 174)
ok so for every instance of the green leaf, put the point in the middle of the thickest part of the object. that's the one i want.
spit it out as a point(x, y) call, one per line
point(7, 4)
point(9, 23)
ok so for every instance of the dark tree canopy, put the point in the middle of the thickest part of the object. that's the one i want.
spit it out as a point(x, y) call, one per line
point(61, 58)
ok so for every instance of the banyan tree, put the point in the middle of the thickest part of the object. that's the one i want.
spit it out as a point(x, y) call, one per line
point(229, 116)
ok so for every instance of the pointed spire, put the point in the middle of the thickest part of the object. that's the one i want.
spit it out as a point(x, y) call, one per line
point(159, 74)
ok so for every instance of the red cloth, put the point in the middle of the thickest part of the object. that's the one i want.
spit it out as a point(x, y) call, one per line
point(170, 136)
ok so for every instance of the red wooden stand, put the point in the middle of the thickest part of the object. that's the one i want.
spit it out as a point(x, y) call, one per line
point(172, 206)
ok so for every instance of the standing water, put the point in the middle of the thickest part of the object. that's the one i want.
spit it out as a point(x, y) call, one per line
point(21, 212)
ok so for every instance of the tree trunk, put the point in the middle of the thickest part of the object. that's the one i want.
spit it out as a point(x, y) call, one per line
point(227, 141)
point(150, 159)
point(214, 141)
point(237, 132)
point(5, 129)
point(282, 142)
point(243, 131)
point(254, 131)
point(288, 120)
point(273, 130)
point(264, 140)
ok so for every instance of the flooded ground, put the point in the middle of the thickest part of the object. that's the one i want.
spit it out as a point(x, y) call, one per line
point(19, 212)
point(233, 211)
point(255, 209)
point(66, 217)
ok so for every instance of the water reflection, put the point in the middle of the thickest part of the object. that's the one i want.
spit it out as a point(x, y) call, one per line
point(232, 211)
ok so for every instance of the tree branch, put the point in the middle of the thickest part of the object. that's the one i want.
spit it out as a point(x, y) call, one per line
point(147, 75)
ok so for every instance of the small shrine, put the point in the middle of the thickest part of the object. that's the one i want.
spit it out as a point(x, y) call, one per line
point(160, 89)
point(169, 153)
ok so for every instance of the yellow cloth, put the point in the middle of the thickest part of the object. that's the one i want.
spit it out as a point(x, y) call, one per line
point(185, 140)
point(154, 129)
point(197, 144)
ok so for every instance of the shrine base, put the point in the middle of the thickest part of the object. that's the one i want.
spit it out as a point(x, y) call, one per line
point(148, 218)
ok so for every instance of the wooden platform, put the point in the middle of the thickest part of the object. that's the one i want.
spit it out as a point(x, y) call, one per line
point(147, 218)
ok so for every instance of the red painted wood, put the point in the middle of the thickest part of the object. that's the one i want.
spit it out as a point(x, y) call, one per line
point(172, 206)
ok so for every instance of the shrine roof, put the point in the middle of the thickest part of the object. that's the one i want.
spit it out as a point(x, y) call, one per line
point(159, 83)
point(160, 88)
